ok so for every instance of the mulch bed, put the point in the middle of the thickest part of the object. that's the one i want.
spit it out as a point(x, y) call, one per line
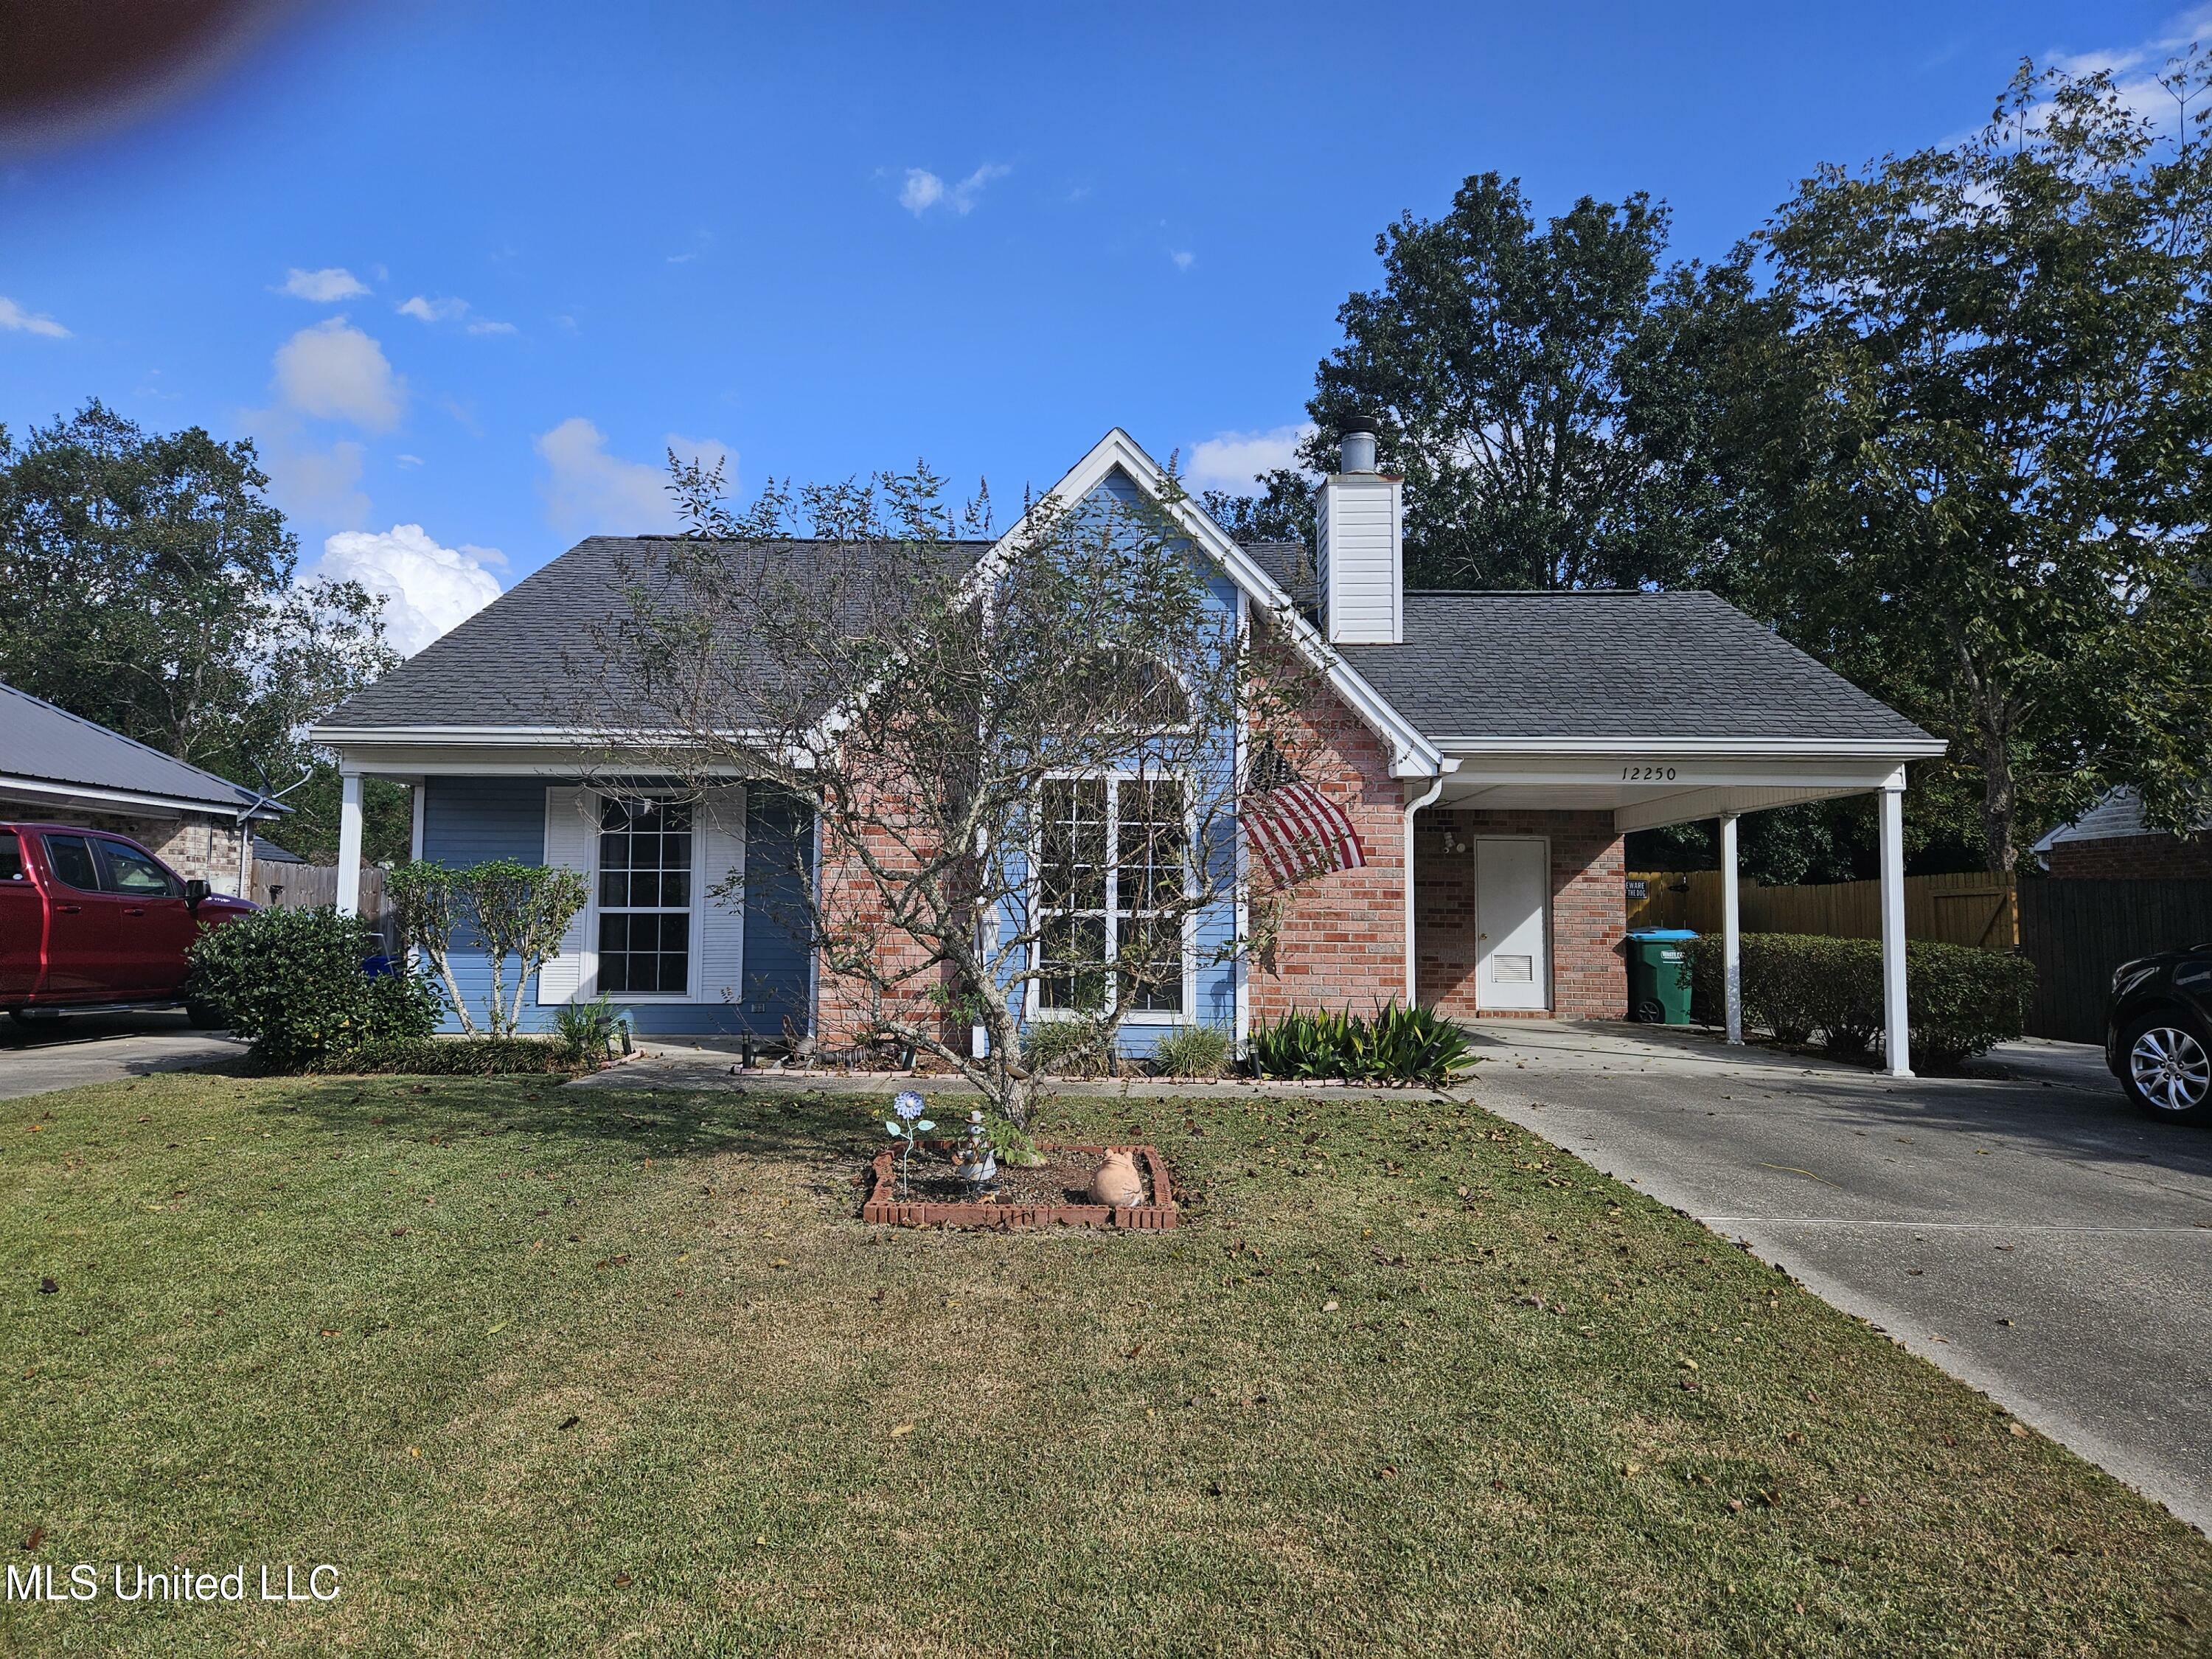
point(1055, 1193)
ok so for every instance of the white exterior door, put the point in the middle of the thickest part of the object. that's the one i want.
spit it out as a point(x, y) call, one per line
point(1512, 959)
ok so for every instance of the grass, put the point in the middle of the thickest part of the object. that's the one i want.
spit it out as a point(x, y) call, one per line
point(552, 1370)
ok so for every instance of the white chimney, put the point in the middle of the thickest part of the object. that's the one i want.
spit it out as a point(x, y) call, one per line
point(1359, 545)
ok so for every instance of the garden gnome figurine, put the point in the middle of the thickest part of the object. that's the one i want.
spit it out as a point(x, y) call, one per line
point(979, 1168)
point(1116, 1182)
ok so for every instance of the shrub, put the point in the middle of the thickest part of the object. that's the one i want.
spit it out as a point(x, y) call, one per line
point(291, 981)
point(1798, 986)
point(1399, 1045)
point(506, 909)
point(1193, 1051)
point(1077, 1046)
point(582, 1030)
point(481, 1056)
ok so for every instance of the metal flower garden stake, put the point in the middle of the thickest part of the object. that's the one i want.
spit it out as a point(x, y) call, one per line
point(905, 1126)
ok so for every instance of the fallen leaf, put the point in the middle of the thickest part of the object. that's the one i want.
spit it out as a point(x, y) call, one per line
point(901, 1430)
point(621, 1579)
point(494, 1330)
point(2020, 1430)
point(48, 1288)
point(38, 1536)
point(1328, 1307)
point(571, 1421)
point(1735, 1506)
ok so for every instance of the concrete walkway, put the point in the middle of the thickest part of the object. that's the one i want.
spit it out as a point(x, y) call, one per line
point(2022, 1228)
point(80, 1049)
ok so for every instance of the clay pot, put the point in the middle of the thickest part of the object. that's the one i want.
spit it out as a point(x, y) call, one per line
point(1116, 1181)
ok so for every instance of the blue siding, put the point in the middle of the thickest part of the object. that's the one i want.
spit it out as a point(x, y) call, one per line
point(468, 820)
point(778, 865)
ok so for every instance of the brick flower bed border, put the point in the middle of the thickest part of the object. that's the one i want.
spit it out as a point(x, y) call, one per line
point(885, 1206)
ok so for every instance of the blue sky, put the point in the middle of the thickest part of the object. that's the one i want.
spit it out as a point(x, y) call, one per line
point(535, 243)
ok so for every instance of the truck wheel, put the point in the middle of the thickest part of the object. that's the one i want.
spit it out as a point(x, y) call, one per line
point(206, 1016)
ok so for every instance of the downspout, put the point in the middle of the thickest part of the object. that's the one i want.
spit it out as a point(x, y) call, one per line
point(1412, 960)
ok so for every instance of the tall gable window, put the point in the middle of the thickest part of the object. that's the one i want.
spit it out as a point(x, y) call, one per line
point(645, 898)
point(1111, 851)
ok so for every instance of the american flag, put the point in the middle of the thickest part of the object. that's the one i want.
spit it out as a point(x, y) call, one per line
point(1298, 831)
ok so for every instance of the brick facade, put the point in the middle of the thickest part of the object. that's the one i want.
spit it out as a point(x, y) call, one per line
point(1339, 941)
point(2134, 858)
point(192, 846)
point(1588, 908)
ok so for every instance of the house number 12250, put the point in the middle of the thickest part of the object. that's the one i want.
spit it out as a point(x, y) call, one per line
point(1647, 775)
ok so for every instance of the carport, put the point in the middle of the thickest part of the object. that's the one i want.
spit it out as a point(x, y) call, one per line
point(1566, 720)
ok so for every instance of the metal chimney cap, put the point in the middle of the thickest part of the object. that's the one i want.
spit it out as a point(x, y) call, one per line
point(1351, 423)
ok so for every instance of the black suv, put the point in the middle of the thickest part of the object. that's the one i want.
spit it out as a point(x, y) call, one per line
point(2158, 1033)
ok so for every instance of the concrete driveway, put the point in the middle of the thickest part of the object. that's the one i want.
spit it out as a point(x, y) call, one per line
point(2021, 1228)
point(80, 1048)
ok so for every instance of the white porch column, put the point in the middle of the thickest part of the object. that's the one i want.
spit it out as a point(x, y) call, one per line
point(1731, 932)
point(1413, 915)
point(1896, 1018)
point(350, 843)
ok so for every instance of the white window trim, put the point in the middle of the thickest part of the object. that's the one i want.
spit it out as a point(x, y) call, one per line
point(695, 943)
point(1032, 1004)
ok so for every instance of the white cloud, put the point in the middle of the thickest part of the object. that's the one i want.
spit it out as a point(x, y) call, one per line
point(326, 287)
point(425, 310)
point(313, 486)
point(408, 460)
point(428, 589)
point(432, 311)
point(1230, 461)
point(336, 373)
point(13, 316)
point(2136, 69)
point(589, 490)
point(1184, 259)
point(924, 190)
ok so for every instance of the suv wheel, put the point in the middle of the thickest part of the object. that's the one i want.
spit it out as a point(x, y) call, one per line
point(2169, 1070)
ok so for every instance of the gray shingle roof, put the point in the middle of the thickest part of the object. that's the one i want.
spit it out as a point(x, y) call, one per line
point(47, 745)
point(1512, 665)
point(1607, 665)
point(505, 665)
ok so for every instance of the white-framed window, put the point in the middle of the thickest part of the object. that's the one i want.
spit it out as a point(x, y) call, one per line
point(1112, 856)
point(645, 897)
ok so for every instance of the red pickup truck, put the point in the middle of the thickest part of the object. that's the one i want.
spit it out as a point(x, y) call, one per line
point(90, 921)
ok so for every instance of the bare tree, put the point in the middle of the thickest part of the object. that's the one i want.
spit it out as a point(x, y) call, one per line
point(1023, 754)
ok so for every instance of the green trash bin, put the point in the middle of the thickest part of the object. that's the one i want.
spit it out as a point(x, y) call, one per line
point(1659, 975)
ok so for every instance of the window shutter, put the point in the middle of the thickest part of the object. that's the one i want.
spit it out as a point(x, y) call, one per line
point(571, 842)
point(721, 919)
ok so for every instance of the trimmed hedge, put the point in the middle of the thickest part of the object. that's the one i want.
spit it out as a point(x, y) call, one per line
point(481, 1056)
point(1802, 987)
point(292, 983)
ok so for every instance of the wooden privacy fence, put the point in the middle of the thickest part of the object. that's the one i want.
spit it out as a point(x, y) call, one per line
point(1973, 908)
point(304, 887)
point(2076, 931)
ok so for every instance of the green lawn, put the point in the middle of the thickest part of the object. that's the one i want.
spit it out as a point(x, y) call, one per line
point(557, 1371)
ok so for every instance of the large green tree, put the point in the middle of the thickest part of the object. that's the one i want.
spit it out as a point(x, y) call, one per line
point(1984, 445)
point(147, 583)
point(1540, 386)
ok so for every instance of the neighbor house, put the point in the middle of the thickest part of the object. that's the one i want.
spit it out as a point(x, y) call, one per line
point(58, 767)
point(2113, 842)
point(1490, 749)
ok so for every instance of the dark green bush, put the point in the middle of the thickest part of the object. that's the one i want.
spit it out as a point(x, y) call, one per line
point(1398, 1045)
point(482, 1056)
point(1799, 986)
point(291, 982)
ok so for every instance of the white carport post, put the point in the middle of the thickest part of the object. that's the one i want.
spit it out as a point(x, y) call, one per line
point(1731, 930)
point(350, 843)
point(1896, 1019)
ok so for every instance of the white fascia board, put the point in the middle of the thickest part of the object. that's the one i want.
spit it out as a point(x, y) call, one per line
point(539, 737)
point(1411, 754)
point(100, 797)
point(1718, 748)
